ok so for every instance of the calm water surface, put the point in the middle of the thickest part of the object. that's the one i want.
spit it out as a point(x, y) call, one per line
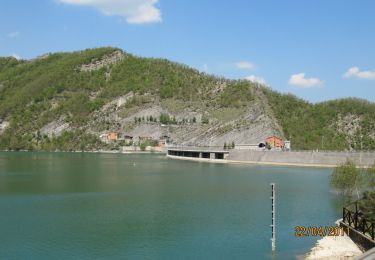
point(90, 206)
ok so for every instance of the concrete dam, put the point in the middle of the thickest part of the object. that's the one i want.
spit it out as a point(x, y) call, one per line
point(269, 157)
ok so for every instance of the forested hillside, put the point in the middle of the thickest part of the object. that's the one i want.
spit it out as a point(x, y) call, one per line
point(343, 124)
point(66, 100)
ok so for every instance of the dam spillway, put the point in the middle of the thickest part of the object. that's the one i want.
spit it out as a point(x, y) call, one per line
point(198, 153)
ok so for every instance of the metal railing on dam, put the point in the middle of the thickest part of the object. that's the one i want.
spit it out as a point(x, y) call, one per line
point(360, 229)
point(198, 148)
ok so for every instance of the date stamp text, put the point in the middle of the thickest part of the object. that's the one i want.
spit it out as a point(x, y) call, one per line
point(314, 231)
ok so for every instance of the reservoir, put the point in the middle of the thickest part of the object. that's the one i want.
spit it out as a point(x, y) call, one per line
point(147, 206)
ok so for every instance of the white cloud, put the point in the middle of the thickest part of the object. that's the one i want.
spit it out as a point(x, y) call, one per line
point(256, 79)
point(299, 80)
point(205, 67)
point(13, 34)
point(356, 72)
point(245, 65)
point(135, 11)
point(16, 56)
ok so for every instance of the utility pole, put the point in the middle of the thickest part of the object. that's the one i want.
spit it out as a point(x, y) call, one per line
point(273, 225)
point(360, 152)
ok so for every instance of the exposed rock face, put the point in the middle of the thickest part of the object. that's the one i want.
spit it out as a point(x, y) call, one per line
point(250, 125)
point(349, 125)
point(54, 128)
point(3, 126)
point(104, 61)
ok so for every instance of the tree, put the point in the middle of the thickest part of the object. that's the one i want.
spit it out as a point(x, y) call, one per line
point(194, 120)
point(369, 177)
point(348, 179)
point(164, 118)
point(367, 205)
point(225, 145)
point(345, 179)
point(232, 144)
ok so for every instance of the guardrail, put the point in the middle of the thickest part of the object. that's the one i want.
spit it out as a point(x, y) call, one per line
point(286, 151)
point(359, 223)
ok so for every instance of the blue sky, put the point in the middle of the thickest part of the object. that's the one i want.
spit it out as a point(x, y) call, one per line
point(318, 50)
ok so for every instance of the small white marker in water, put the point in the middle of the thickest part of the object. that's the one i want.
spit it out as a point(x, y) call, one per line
point(273, 225)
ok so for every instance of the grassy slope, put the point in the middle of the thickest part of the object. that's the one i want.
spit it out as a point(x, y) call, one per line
point(34, 93)
point(312, 126)
point(28, 90)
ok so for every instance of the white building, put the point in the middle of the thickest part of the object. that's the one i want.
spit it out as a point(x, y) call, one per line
point(287, 145)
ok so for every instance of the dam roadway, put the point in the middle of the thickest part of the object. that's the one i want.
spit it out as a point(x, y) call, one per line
point(272, 157)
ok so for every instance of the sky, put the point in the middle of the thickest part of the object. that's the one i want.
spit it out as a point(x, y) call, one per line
point(318, 50)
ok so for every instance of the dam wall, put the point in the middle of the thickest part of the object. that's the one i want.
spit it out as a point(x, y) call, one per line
point(303, 158)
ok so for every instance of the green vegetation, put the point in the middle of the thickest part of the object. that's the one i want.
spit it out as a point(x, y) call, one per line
point(143, 146)
point(174, 105)
point(51, 88)
point(37, 92)
point(367, 205)
point(137, 101)
point(205, 120)
point(237, 94)
point(226, 114)
point(345, 178)
point(148, 142)
point(229, 146)
point(317, 126)
point(164, 118)
point(349, 181)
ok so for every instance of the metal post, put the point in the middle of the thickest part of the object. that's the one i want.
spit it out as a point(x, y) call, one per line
point(273, 225)
point(360, 153)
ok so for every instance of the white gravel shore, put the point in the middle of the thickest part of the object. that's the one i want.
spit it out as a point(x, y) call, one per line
point(332, 247)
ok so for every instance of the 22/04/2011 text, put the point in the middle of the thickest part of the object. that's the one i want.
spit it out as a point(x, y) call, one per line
point(303, 231)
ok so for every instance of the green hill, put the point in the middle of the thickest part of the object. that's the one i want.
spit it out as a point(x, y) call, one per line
point(342, 124)
point(65, 100)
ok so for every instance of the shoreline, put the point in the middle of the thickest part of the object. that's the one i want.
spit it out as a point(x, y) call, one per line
point(206, 160)
point(221, 161)
point(334, 247)
point(340, 247)
point(78, 151)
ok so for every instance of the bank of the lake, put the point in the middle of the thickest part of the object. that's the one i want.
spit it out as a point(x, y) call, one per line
point(96, 205)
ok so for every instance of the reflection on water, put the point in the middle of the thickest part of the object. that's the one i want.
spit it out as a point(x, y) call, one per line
point(75, 205)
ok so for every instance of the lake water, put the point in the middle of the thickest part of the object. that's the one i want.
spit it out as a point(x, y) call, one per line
point(90, 206)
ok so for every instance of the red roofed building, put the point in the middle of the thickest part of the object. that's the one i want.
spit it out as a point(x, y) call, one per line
point(274, 142)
